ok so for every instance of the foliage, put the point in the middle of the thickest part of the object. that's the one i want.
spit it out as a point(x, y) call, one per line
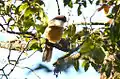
point(99, 48)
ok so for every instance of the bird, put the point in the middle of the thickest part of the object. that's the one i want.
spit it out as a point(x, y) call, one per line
point(53, 34)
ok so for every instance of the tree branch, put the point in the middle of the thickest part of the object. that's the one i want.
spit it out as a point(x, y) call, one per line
point(91, 23)
point(19, 33)
point(64, 49)
point(12, 45)
point(58, 47)
point(71, 51)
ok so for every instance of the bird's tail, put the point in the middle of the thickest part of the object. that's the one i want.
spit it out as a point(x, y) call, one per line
point(47, 54)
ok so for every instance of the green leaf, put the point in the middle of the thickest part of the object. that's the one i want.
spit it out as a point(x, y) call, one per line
point(34, 45)
point(17, 10)
point(8, 8)
point(115, 29)
point(86, 67)
point(42, 40)
point(108, 69)
point(87, 47)
point(91, 1)
point(79, 10)
point(68, 2)
point(12, 27)
point(76, 65)
point(40, 2)
point(85, 64)
point(97, 2)
point(98, 54)
point(28, 12)
point(111, 2)
point(42, 15)
point(40, 28)
point(23, 6)
point(117, 68)
point(117, 60)
point(13, 7)
point(72, 30)
point(115, 9)
point(27, 23)
point(111, 16)
point(103, 68)
point(95, 66)
point(2, 3)
point(84, 3)
point(77, 1)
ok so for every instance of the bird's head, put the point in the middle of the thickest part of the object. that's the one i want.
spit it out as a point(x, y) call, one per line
point(58, 21)
point(60, 17)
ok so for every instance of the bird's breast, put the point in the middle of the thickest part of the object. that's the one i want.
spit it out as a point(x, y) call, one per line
point(53, 33)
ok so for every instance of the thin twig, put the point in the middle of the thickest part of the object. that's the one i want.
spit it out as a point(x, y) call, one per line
point(6, 22)
point(4, 19)
point(2, 26)
point(4, 66)
point(19, 57)
point(28, 56)
point(84, 20)
point(4, 74)
point(58, 7)
point(10, 45)
point(91, 19)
